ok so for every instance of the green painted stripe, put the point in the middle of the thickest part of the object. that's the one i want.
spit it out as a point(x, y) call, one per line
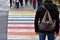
point(21, 14)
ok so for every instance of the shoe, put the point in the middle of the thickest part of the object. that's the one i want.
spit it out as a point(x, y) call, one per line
point(21, 6)
point(11, 7)
point(34, 10)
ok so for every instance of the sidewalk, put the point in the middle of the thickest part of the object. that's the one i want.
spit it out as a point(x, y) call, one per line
point(4, 5)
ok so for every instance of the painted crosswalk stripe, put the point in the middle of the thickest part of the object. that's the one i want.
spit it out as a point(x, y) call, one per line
point(21, 30)
point(20, 27)
point(21, 22)
point(22, 37)
point(9, 25)
point(21, 17)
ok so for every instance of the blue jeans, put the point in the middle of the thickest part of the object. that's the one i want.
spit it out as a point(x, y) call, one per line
point(34, 6)
point(30, 2)
point(42, 36)
point(17, 4)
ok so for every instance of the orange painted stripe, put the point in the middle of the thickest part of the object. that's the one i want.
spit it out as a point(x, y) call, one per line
point(22, 33)
point(19, 11)
point(24, 12)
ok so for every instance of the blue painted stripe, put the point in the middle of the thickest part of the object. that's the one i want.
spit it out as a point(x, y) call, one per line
point(20, 20)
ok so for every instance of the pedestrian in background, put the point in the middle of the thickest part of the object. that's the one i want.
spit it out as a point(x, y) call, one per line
point(17, 3)
point(34, 5)
point(26, 2)
point(10, 3)
point(21, 2)
point(30, 2)
point(49, 12)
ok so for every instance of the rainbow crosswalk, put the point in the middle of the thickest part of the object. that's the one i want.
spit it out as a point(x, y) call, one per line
point(21, 25)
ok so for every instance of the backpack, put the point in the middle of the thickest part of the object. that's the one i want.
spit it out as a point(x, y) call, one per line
point(46, 23)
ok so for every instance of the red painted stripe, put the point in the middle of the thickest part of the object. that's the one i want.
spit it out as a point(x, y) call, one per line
point(20, 27)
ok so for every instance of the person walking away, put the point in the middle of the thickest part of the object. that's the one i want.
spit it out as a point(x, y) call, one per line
point(10, 3)
point(34, 5)
point(30, 2)
point(26, 2)
point(17, 3)
point(21, 2)
point(47, 21)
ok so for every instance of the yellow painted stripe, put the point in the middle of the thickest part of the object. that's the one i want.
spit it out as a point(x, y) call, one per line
point(21, 14)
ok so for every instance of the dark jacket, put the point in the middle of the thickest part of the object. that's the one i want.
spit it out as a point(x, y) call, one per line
point(54, 14)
